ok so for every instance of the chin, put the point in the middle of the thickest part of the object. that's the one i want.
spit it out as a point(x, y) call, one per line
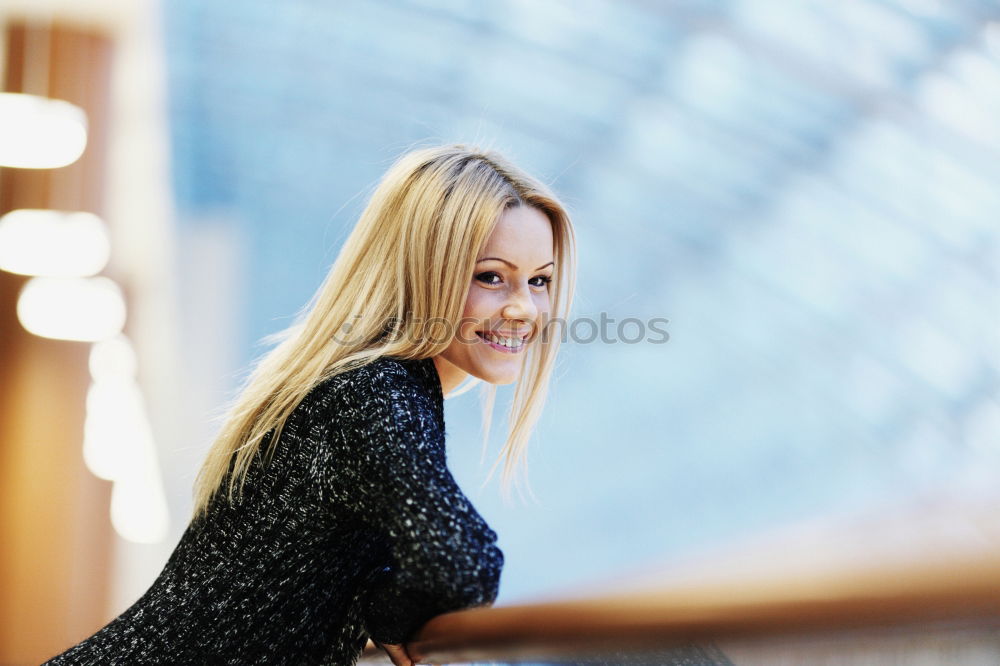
point(500, 377)
point(503, 381)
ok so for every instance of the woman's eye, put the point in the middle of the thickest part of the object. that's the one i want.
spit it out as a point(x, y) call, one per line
point(492, 278)
point(488, 277)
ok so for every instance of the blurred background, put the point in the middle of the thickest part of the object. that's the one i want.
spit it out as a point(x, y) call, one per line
point(806, 190)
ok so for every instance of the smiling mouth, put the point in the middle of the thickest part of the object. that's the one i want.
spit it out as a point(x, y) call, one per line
point(503, 344)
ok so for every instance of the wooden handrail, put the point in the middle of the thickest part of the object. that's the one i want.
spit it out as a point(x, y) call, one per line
point(817, 585)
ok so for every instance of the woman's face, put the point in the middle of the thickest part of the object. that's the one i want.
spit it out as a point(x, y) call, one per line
point(507, 303)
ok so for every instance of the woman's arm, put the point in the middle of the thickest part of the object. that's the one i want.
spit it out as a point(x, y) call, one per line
point(443, 555)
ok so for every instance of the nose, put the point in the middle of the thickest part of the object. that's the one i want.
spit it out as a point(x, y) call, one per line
point(520, 305)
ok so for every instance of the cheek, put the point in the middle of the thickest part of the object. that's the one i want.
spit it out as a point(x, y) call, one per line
point(479, 303)
point(475, 313)
point(467, 331)
point(544, 303)
point(471, 298)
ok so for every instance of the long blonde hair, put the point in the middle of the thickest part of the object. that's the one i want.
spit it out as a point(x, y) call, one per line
point(409, 260)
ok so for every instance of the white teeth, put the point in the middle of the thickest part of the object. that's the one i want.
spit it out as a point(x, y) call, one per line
point(506, 342)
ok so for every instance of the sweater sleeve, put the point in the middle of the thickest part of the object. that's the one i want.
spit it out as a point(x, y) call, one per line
point(443, 556)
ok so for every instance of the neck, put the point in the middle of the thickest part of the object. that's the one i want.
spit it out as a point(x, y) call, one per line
point(449, 374)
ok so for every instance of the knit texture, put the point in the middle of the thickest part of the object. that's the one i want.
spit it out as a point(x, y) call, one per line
point(356, 528)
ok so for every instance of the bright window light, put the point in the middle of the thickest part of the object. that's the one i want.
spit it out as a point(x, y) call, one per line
point(84, 309)
point(113, 359)
point(116, 431)
point(40, 133)
point(53, 243)
point(118, 443)
point(138, 505)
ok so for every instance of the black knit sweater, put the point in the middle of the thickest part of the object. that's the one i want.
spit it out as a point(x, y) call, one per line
point(356, 528)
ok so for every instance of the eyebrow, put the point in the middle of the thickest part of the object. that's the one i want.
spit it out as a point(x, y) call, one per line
point(510, 264)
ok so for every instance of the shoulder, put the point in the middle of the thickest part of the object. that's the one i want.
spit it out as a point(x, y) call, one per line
point(384, 414)
point(386, 386)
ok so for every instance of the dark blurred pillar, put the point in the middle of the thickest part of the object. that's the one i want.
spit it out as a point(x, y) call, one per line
point(55, 534)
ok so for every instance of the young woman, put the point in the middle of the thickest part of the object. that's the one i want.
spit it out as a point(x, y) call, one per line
point(325, 513)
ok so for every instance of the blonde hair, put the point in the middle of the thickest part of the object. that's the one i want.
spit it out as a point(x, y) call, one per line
point(409, 260)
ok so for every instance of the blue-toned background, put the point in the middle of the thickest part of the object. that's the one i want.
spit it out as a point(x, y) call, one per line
point(806, 190)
